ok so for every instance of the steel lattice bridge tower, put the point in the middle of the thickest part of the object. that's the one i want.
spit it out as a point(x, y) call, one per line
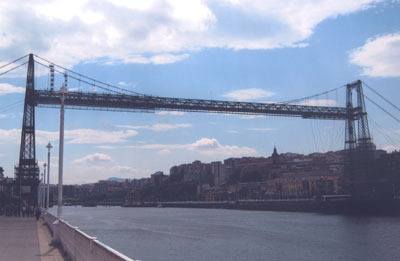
point(27, 171)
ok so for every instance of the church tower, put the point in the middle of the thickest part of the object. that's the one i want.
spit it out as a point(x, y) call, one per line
point(275, 156)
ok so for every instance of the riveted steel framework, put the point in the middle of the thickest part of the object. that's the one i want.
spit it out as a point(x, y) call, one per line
point(361, 139)
point(361, 180)
point(81, 100)
point(27, 170)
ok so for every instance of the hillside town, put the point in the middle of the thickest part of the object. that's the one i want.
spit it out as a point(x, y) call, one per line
point(286, 175)
point(280, 176)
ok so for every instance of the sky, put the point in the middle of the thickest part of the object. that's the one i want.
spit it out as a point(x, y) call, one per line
point(237, 50)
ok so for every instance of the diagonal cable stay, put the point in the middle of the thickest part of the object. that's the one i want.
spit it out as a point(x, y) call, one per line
point(380, 95)
point(14, 68)
point(79, 79)
point(94, 82)
point(311, 96)
point(380, 107)
point(16, 60)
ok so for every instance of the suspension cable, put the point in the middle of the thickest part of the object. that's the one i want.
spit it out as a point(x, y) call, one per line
point(380, 107)
point(380, 95)
point(12, 69)
point(76, 78)
point(312, 96)
point(89, 78)
point(382, 131)
point(16, 60)
point(11, 106)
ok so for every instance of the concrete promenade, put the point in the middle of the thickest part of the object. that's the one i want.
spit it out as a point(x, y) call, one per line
point(26, 239)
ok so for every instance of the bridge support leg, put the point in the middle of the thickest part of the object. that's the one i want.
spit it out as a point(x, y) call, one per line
point(27, 170)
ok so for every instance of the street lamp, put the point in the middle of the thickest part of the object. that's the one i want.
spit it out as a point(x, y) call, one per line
point(41, 191)
point(38, 192)
point(63, 91)
point(48, 175)
point(44, 186)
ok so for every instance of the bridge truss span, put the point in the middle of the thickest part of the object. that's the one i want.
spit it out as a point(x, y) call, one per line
point(125, 102)
point(117, 99)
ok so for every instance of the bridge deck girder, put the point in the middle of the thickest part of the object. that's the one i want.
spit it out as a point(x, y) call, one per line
point(101, 101)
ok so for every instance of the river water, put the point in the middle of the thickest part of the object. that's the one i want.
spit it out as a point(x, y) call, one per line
point(217, 234)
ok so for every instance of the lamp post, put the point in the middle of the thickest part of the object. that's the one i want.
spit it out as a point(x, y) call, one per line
point(48, 175)
point(38, 191)
point(41, 191)
point(56, 235)
point(63, 91)
point(44, 185)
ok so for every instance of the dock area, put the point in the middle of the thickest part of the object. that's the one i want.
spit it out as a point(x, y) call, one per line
point(24, 238)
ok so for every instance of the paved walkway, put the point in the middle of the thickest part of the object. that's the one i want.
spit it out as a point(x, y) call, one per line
point(26, 239)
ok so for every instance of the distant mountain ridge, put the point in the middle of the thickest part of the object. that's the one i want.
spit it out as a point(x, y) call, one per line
point(118, 179)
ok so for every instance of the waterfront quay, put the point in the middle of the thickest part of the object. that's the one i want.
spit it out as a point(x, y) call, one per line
point(24, 238)
point(77, 245)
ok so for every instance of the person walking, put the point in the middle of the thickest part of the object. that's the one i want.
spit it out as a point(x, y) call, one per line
point(38, 211)
point(31, 210)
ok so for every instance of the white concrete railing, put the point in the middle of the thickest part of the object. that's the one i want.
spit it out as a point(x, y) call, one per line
point(80, 246)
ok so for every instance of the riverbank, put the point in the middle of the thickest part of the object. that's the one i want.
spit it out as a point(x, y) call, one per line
point(294, 205)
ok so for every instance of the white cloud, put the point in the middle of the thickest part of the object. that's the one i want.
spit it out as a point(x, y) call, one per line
point(96, 158)
point(123, 169)
point(379, 57)
point(10, 136)
point(92, 172)
point(156, 59)
point(6, 88)
point(43, 137)
point(164, 152)
point(213, 147)
point(140, 5)
point(391, 148)
point(3, 116)
point(89, 136)
point(261, 129)
point(105, 147)
point(158, 146)
point(250, 117)
point(175, 113)
point(157, 126)
point(248, 94)
point(321, 102)
point(168, 58)
point(85, 136)
point(77, 136)
point(207, 146)
point(158, 31)
point(123, 84)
